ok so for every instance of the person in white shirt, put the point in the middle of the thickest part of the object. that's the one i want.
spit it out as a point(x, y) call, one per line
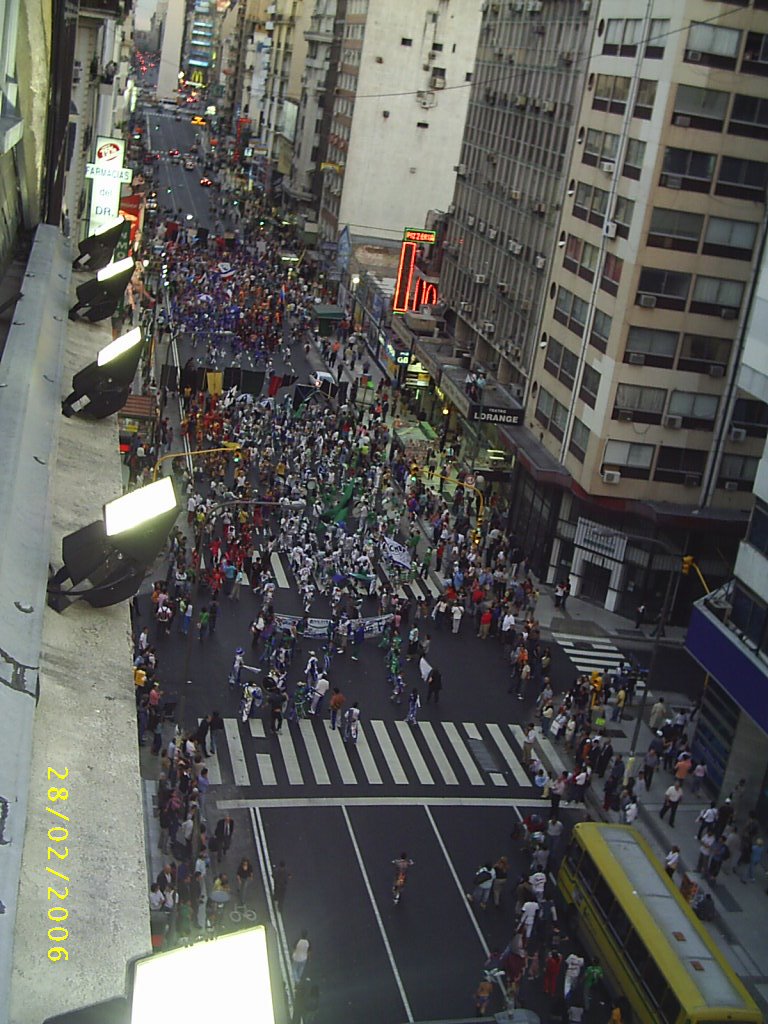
point(156, 898)
point(528, 913)
point(299, 956)
point(319, 691)
point(573, 966)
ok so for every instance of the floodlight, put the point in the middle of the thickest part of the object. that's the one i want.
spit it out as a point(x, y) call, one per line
point(103, 386)
point(115, 554)
point(101, 294)
point(95, 251)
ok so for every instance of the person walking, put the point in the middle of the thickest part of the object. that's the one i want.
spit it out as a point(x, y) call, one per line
point(299, 957)
point(243, 877)
point(280, 878)
point(337, 703)
point(650, 764)
point(482, 885)
point(706, 819)
point(501, 869)
point(573, 967)
point(414, 703)
point(434, 685)
point(673, 795)
point(225, 829)
point(457, 613)
point(671, 860)
point(351, 723)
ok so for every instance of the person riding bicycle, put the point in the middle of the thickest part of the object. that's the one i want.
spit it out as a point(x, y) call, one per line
point(401, 863)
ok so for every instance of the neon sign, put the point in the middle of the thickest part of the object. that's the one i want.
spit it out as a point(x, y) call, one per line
point(411, 292)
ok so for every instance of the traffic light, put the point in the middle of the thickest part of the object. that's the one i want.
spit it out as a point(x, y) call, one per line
point(688, 561)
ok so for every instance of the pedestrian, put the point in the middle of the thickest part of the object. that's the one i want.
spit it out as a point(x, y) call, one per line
point(276, 706)
point(756, 852)
point(244, 877)
point(639, 615)
point(529, 738)
point(337, 703)
point(671, 860)
point(658, 714)
point(280, 878)
point(318, 693)
point(593, 975)
point(528, 913)
point(501, 869)
point(414, 703)
point(699, 775)
point(552, 966)
point(457, 613)
point(351, 723)
point(434, 685)
point(650, 764)
point(299, 956)
point(225, 829)
point(482, 885)
point(672, 798)
point(706, 843)
point(573, 966)
point(706, 819)
point(718, 854)
point(203, 620)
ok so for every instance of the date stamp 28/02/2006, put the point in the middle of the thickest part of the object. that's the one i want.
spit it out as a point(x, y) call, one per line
point(57, 893)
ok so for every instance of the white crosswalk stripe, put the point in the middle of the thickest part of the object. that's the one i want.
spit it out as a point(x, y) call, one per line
point(281, 577)
point(588, 653)
point(309, 752)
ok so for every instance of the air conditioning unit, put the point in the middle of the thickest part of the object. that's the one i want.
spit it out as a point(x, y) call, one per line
point(461, 170)
point(567, 56)
point(465, 307)
point(525, 305)
point(540, 208)
point(673, 422)
point(636, 358)
point(608, 166)
point(503, 286)
point(691, 479)
point(548, 107)
point(514, 195)
point(731, 485)
point(737, 434)
point(519, 6)
point(625, 415)
point(609, 228)
point(521, 101)
point(537, 102)
point(682, 121)
point(481, 227)
point(728, 313)
point(481, 278)
point(540, 262)
point(672, 180)
point(586, 6)
point(489, 327)
point(470, 220)
point(514, 247)
point(492, 233)
point(437, 82)
point(611, 476)
point(535, 6)
point(647, 301)
point(694, 56)
point(716, 370)
point(516, 353)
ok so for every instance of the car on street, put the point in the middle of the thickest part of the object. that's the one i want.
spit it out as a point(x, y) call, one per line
point(206, 182)
point(151, 203)
point(197, 120)
point(322, 379)
point(189, 164)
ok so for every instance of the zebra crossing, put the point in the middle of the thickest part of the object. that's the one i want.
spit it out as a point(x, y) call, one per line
point(417, 589)
point(388, 755)
point(588, 654)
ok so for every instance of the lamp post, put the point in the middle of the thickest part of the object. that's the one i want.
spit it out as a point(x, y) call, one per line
point(233, 446)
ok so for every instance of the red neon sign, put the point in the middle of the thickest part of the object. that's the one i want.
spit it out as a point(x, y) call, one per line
point(412, 292)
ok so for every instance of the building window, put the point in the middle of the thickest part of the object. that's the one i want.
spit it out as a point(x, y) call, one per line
point(701, 353)
point(750, 616)
point(669, 288)
point(687, 169)
point(742, 179)
point(571, 311)
point(633, 460)
point(757, 533)
point(680, 466)
point(601, 330)
point(611, 92)
point(697, 411)
point(579, 441)
point(551, 414)
point(600, 146)
point(749, 117)
point(561, 362)
point(406, 42)
point(639, 404)
point(590, 203)
point(711, 45)
point(622, 214)
point(622, 37)
point(650, 347)
point(675, 229)
point(422, 124)
point(580, 257)
point(633, 160)
point(751, 414)
point(437, 47)
point(590, 385)
point(717, 297)
point(700, 108)
point(755, 60)
point(734, 239)
point(646, 95)
point(740, 469)
point(611, 276)
point(657, 39)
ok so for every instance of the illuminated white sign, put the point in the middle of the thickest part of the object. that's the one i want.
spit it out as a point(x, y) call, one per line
point(107, 175)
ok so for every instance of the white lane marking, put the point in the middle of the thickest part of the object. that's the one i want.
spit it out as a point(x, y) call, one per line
point(262, 852)
point(236, 752)
point(437, 752)
point(263, 761)
point(412, 749)
point(377, 915)
point(339, 751)
point(290, 759)
point(383, 801)
point(472, 731)
point(257, 728)
point(388, 750)
point(497, 779)
point(212, 764)
point(307, 730)
point(551, 755)
point(520, 774)
point(277, 568)
point(463, 754)
point(457, 880)
point(366, 757)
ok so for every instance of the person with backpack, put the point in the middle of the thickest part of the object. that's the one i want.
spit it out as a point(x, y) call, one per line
point(482, 885)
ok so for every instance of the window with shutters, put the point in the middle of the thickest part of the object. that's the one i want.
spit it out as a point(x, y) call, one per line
point(675, 229)
point(687, 170)
point(717, 296)
point(734, 239)
point(742, 179)
point(648, 347)
point(634, 460)
point(712, 45)
point(705, 109)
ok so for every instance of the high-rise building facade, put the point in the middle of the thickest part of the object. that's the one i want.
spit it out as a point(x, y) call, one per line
point(637, 441)
point(399, 106)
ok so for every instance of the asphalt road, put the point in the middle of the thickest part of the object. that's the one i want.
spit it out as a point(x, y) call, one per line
point(176, 187)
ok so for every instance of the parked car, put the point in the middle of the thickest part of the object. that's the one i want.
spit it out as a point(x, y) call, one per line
point(206, 182)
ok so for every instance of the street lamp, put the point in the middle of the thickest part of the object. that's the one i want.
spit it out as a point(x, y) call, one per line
point(100, 296)
point(96, 251)
point(101, 387)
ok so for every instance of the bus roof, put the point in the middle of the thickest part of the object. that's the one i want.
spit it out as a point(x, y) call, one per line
point(662, 908)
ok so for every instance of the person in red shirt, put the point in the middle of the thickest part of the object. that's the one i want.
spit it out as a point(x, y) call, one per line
point(485, 624)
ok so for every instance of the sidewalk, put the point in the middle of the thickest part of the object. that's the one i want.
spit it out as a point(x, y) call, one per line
point(741, 907)
point(585, 618)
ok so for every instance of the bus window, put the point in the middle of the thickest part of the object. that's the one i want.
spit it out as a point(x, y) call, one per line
point(654, 981)
point(669, 1007)
point(636, 951)
point(588, 870)
point(572, 856)
point(618, 922)
point(603, 896)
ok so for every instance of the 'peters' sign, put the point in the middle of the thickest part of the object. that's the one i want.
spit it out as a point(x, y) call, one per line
point(495, 414)
point(107, 174)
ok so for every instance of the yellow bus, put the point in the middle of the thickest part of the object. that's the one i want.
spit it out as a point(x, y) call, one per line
point(655, 951)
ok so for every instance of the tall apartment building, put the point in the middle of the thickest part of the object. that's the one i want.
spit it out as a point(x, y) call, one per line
point(399, 107)
point(242, 75)
point(200, 40)
point(728, 632)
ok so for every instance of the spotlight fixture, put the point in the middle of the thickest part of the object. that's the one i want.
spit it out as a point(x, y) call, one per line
point(96, 251)
point(115, 554)
point(101, 294)
point(102, 387)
